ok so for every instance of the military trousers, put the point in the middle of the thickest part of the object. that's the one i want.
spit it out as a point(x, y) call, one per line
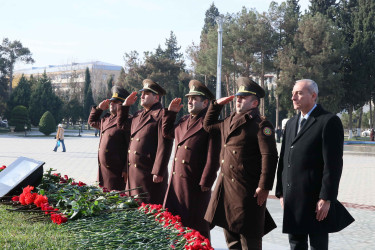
point(240, 241)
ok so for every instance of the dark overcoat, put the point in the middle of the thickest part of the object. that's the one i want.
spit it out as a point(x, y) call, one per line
point(196, 162)
point(310, 169)
point(148, 153)
point(112, 152)
point(248, 160)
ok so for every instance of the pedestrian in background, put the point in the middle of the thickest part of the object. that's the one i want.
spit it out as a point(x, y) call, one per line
point(309, 172)
point(60, 138)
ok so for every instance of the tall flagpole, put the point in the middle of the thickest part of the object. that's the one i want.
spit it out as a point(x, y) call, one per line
point(219, 20)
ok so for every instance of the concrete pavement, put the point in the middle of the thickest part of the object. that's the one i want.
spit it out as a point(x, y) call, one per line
point(80, 162)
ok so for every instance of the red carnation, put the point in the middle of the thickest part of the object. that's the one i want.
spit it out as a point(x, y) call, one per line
point(3, 167)
point(28, 189)
point(80, 184)
point(58, 219)
point(22, 199)
point(15, 198)
point(29, 198)
point(40, 199)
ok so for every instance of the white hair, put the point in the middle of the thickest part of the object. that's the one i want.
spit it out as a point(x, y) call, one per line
point(311, 85)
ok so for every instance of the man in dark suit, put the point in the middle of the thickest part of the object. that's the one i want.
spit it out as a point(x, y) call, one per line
point(114, 141)
point(248, 164)
point(196, 159)
point(149, 151)
point(309, 171)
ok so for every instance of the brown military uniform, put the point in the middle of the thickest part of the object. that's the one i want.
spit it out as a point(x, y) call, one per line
point(148, 153)
point(113, 146)
point(248, 160)
point(195, 164)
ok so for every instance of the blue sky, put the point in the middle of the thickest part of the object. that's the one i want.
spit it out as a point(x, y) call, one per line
point(59, 32)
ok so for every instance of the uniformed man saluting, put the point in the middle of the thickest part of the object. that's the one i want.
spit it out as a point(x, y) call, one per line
point(149, 151)
point(114, 141)
point(248, 161)
point(196, 159)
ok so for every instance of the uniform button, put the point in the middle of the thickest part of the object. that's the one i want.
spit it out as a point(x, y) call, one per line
point(129, 163)
point(129, 151)
point(180, 175)
point(178, 146)
point(107, 166)
point(222, 161)
point(291, 146)
point(232, 180)
point(135, 165)
point(288, 185)
point(131, 138)
point(135, 152)
point(231, 166)
point(225, 145)
point(175, 159)
point(137, 139)
point(186, 147)
point(174, 172)
point(288, 165)
point(234, 152)
point(183, 161)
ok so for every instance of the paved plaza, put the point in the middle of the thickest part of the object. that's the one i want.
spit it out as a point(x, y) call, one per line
point(80, 162)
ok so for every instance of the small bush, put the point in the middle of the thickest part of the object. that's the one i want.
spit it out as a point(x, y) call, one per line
point(19, 117)
point(47, 124)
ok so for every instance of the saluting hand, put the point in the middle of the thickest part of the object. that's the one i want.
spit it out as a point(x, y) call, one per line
point(261, 195)
point(104, 105)
point(175, 105)
point(322, 208)
point(225, 100)
point(130, 100)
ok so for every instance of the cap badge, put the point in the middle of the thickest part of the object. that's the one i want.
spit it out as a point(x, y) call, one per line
point(267, 131)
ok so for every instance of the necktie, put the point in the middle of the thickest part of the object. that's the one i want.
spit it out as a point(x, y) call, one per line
point(303, 121)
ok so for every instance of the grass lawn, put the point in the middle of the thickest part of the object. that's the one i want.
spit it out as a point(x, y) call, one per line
point(19, 231)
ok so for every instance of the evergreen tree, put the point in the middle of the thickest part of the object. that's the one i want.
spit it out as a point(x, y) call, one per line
point(21, 94)
point(172, 50)
point(109, 86)
point(42, 99)
point(72, 110)
point(209, 20)
point(47, 124)
point(324, 7)
point(88, 101)
point(19, 118)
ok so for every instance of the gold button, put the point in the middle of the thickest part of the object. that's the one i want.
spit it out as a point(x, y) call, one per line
point(174, 172)
point(107, 166)
point(180, 175)
point(222, 161)
point(131, 138)
point(178, 146)
point(186, 147)
point(234, 152)
point(232, 180)
point(129, 163)
point(129, 151)
point(135, 165)
point(183, 161)
point(225, 145)
point(137, 139)
point(231, 166)
point(175, 159)
point(135, 152)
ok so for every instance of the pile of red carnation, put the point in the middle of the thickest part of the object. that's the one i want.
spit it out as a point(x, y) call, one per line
point(41, 201)
point(65, 179)
point(194, 239)
point(2, 168)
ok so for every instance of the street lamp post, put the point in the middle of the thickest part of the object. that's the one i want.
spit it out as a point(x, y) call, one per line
point(219, 20)
point(25, 127)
